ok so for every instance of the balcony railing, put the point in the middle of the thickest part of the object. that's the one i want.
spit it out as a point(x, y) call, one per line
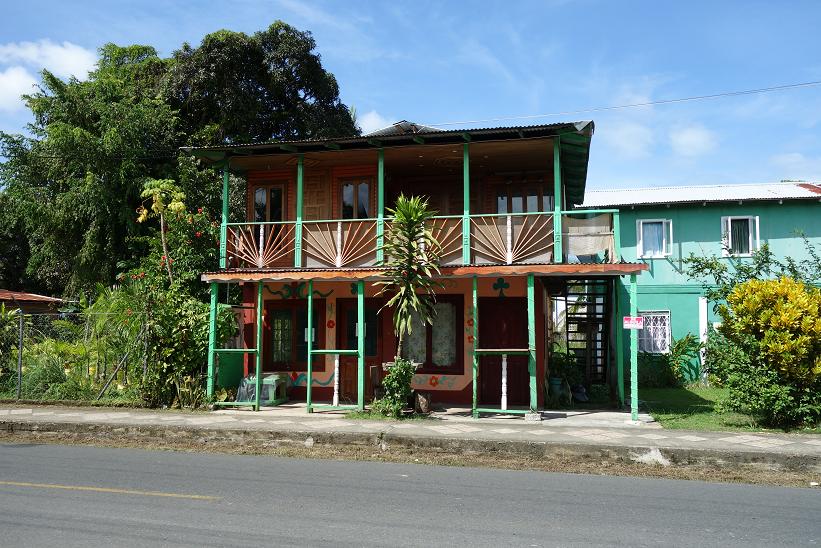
point(515, 238)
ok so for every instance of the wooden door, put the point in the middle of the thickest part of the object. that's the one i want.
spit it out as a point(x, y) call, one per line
point(503, 324)
point(346, 339)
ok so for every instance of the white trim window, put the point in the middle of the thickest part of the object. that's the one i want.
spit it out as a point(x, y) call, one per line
point(739, 236)
point(655, 336)
point(654, 237)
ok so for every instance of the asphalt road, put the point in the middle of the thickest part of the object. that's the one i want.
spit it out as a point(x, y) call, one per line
point(64, 496)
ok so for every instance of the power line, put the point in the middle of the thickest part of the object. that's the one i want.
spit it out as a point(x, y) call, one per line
point(635, 105)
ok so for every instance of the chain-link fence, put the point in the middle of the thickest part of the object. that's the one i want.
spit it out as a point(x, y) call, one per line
point(71, 356)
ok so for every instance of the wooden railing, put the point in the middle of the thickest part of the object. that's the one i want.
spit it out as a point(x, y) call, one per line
point(338, 244)
point(515, 238)
point(260, 245)
point(511, 238)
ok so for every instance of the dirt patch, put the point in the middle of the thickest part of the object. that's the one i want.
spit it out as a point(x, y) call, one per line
point(566, 461)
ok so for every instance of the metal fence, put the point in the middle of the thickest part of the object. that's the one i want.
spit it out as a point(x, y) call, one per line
point(76, 355)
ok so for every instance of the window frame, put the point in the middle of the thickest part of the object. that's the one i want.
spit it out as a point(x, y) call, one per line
point(666, 245)
point(726, 236)
point(642, 338)
point(458, 365)
point(356, 181)
point(524, 189)
point(252, 191)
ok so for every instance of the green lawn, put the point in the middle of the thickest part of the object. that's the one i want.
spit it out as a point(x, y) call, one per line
point(695, 409)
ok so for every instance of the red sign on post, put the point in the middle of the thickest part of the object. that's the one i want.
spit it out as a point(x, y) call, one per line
point(633, 322)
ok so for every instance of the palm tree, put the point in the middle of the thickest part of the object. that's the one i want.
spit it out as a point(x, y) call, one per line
point(411, 261)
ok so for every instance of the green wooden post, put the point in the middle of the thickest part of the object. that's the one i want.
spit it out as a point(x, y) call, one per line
point(634, 354)
point(300, 175)
point(258, 391)
point(531, 342)
point(617, 325)
point(466, 207)
point(212, 339)
point(557, 200)
point(616, 238)
point(380, 206)
point(224, 221)
point(474, 357)
point(360, 344)
point(310, 337)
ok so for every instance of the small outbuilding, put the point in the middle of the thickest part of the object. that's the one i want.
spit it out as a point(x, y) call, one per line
point(29, 303)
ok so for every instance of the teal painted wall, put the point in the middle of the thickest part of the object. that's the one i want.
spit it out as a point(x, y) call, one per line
point(697, 229)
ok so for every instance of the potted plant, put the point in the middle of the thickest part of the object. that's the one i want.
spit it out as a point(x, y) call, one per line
point(411, 261)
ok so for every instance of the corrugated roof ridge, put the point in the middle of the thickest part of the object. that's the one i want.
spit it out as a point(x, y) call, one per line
point(719, 185)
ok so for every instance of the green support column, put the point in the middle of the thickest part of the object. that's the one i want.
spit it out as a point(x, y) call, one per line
point(258, 391)
point(310, 341)
point(224, 221)
point(616, 238)
point(212, 340)
point(557, 200)
point(300, 175)
point(634, 353)
point(617, 325)
point(360, 344)
point(474, 358)
point(531, 341)
point(380, 205)
point(466, 207)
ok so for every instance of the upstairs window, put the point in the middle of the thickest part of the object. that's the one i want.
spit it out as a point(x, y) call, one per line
point(655, 238)
point(514, 198)
point(356, 199)
point(739, 235)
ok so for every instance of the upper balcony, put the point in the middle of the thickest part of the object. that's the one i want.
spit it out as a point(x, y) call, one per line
point(487, 239)
point(503, 196)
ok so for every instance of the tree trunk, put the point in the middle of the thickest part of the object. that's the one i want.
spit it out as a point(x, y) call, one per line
point(165, 248)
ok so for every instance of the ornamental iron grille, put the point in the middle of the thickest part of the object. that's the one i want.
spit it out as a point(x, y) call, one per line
point(655, 336)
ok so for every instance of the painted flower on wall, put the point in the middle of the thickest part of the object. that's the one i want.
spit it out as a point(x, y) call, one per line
point(433, 381)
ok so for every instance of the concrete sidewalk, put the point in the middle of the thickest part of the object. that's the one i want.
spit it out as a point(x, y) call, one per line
point(578, 430)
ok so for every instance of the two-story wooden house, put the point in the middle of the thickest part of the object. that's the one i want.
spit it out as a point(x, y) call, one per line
point(310, 249)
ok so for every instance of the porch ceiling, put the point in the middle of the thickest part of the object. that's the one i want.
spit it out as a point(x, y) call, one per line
point(352, 274)
point(575, 148)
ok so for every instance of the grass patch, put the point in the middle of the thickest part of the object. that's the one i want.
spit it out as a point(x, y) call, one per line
point(694, 408)
point(374, 416)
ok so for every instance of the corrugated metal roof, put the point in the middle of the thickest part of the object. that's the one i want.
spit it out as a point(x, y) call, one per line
point(19, 296)
point(706, 193)
point(421, 131)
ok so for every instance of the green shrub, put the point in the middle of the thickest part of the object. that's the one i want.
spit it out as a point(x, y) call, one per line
point(654, 371)
point(776, 325)
point(721, 358)
point(397, 386)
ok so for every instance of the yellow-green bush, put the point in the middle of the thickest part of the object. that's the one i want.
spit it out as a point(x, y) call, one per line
point(784, 317)
point(774, 330)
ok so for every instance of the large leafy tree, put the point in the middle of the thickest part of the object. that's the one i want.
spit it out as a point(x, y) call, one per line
point(240, 88)
point(70, 188)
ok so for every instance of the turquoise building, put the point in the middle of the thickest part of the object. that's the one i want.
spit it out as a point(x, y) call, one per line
point(662, 226)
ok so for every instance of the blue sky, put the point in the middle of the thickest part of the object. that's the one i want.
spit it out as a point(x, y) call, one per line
point(450, 61)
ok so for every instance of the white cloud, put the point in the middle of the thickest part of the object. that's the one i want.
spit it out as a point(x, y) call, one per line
point(794, 165)
point(628, 139)
point(14, 82)
point(693, 140)
point(371, 121)
point(64, 60)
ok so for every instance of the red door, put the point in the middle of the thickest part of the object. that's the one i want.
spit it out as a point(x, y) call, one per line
point(503, 324)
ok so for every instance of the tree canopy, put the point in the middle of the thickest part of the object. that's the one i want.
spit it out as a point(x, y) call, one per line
point(70, 188)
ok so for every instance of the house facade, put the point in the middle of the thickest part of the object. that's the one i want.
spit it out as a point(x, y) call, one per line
point(512, 251)
point(660, 227)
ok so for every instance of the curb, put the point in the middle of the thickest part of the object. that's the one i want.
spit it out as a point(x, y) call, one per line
point(664, 456)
